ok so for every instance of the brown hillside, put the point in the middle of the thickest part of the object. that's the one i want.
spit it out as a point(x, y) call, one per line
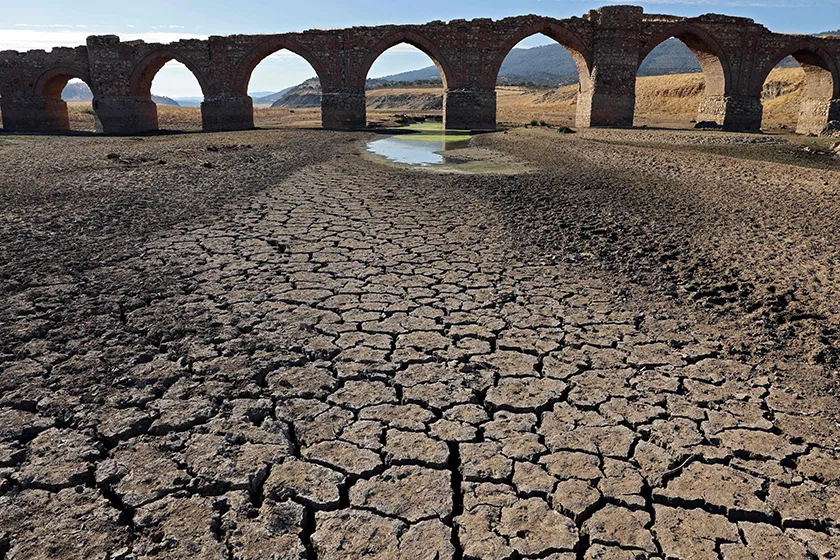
point(675, 96)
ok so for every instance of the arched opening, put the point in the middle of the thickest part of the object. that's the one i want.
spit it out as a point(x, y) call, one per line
point(541, 74)
point(67, 101)
point(79, 98)
point(285, 90)
point(405, 81)
point(798, 89)
point(681, 80)
point(538, 82)
point(169, 91)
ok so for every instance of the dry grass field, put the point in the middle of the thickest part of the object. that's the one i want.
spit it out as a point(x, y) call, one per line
point(661, 101)
point(673, 99)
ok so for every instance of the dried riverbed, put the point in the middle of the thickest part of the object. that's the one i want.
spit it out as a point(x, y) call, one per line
point(262, 344)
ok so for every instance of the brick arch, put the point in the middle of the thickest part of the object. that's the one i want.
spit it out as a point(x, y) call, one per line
point(245, 67)
point(570, 40)
point(411, 38)
point(51, 82)
point(822, 74)
point(140, 82)
point(711, 56)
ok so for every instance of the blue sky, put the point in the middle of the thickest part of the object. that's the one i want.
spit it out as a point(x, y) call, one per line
point(43, 24)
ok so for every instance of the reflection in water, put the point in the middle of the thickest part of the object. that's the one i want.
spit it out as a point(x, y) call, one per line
point(410, 152)
point(422, 144)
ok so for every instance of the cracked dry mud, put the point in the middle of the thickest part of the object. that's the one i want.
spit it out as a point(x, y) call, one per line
point(294, 353)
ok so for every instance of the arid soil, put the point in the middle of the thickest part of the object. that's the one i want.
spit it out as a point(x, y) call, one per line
point(263, 345)
point(746, 226)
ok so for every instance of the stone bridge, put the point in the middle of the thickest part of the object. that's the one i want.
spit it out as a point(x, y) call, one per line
point(608, 44)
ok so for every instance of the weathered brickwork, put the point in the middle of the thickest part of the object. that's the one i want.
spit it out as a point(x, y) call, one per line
point(608, 45)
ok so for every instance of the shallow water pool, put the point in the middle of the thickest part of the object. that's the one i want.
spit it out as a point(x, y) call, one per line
point(397, 149)
point(420, 144)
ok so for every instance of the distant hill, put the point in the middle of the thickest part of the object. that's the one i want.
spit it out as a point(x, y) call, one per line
point(303, 96)
point(263, 98)
point(79, 92)
point(161, 100)
point(671, 57)
point(428, 73)
point(189, 101)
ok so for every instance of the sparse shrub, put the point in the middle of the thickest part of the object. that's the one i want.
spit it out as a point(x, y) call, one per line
point(88, 112)
point(535, 122)
point(565, 130)
point(543, 123)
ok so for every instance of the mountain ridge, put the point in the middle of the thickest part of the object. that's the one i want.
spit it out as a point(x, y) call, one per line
point(79, 92)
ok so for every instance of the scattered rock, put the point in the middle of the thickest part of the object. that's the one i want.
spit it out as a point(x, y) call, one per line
point(832, 129)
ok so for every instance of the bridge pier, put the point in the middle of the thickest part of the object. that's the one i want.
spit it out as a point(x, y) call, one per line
point(609, 99)
point(343, 109)
point(32, 113)
point(732, 112)
point(227, 112)
point(469, 109)
point(125, 115)
point(815, 114)
point(613, 109)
